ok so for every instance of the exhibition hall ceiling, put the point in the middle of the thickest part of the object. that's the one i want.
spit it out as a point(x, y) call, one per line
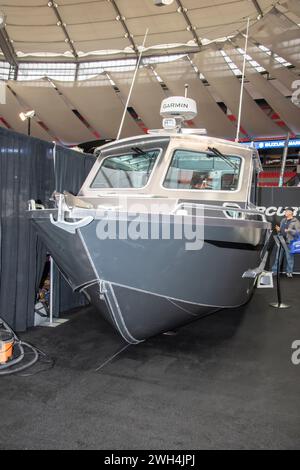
point(76, 29)
point(72, 61)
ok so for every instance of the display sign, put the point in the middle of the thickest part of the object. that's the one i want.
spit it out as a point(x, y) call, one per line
point(273, 201)
point(270, 144)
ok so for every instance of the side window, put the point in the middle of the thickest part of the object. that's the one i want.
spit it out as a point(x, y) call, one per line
point(203, 170)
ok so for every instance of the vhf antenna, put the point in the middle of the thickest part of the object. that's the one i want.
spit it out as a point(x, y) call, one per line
point(132, 85)
point(186, 87)
point(242, 84)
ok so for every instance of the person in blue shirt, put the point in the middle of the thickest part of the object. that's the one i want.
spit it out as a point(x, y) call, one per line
point(289, 228)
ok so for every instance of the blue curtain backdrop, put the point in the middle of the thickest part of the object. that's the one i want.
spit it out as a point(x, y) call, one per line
point(27, 172)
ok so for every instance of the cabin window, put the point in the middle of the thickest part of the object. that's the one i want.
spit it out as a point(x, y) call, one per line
point(131, 170)
point(203, 170)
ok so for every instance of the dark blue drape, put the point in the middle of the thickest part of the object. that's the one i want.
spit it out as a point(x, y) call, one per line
point(27, 172)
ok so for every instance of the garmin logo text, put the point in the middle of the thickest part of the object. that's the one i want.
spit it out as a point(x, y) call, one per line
point(167, 106)
point(273, 210)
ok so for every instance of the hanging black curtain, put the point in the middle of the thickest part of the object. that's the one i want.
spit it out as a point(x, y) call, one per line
point(27, 172)
point(71, 168)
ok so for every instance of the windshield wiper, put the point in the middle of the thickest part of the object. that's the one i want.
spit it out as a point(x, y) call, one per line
point(224, 157)
point(138, 151)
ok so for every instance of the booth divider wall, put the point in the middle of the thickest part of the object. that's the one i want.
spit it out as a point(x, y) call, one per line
point(27, 172)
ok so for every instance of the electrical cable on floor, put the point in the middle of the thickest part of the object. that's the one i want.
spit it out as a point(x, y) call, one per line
point(13, 352)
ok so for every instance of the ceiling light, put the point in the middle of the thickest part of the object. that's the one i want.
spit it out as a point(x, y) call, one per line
point(27, 115)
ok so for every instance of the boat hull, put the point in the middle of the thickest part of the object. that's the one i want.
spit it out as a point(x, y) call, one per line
point(148, 286)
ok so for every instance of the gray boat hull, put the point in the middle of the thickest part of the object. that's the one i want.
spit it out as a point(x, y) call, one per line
point(146, 287)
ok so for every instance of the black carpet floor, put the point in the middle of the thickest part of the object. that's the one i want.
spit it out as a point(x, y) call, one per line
point(224, 382)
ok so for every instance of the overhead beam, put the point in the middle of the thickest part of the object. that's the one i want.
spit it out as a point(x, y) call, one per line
point(190, 26)
point(128, 34)
point(258, 8)
point(63, 27)
point(7, 48)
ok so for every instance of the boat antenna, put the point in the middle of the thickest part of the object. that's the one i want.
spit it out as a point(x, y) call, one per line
point(132, 84)
point(242, 84)
point(186, 87)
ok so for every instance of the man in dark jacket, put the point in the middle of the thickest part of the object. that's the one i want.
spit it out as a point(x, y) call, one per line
point(289, 228)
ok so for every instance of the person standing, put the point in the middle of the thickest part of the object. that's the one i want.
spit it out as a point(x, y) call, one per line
point(289, 228)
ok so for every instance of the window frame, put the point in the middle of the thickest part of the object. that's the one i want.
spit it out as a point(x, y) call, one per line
point(207, 191)
point(160, 151)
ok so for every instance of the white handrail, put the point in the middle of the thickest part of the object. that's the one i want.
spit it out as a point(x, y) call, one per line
point(226, 208)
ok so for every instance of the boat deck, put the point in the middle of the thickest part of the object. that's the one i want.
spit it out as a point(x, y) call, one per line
point(226, 381)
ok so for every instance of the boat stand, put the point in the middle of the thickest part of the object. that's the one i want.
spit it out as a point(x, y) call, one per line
point(281, 246)
point(51, 321)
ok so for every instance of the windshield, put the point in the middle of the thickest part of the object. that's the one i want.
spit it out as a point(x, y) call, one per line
point(126, 171)
point(203, 170)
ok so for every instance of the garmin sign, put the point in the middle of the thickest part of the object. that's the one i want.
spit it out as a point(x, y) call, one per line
point(179, 107)
point(176, 106)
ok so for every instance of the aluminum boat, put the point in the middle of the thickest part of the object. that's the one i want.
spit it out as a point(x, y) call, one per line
point(163, 231)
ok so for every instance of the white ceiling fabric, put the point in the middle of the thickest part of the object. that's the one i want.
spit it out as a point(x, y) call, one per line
point(288, 112)
point(10, 112)
point(146, 97)
point(213, 66)
point(96, 32)
point(269, 62)
point(294, 6)
point(99, 104)
point(50, 107)
point(210, 116)
point(94, 26)
point(279, 34)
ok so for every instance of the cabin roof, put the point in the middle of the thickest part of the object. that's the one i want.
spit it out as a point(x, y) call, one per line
point(172, 136)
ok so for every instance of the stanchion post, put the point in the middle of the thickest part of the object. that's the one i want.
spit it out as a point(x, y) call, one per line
point(280, 248)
